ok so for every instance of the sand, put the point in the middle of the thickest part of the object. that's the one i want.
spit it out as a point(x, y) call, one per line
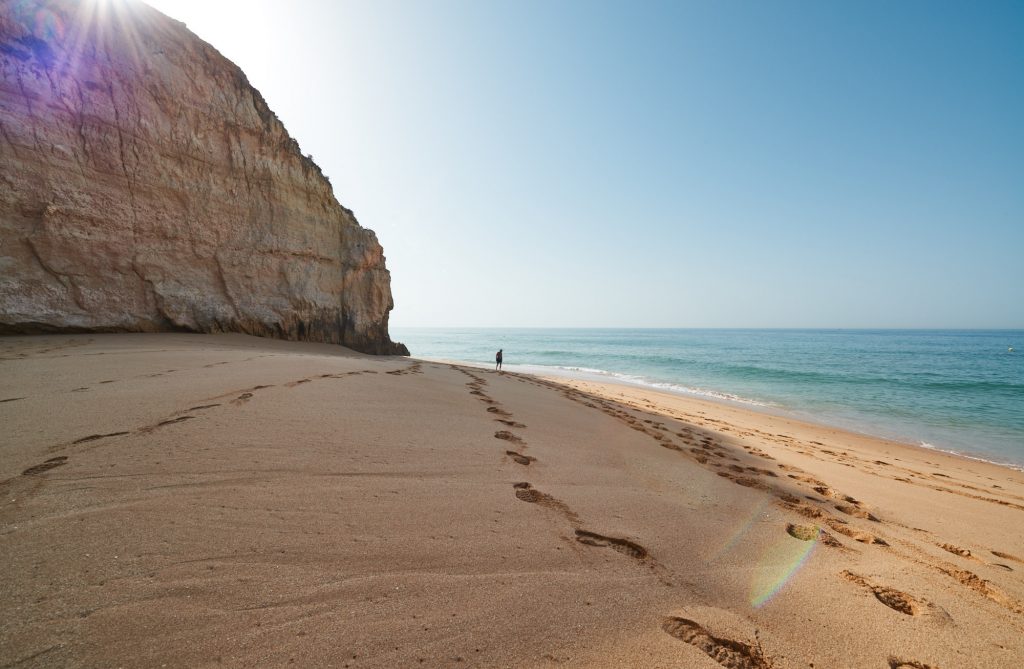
point(219, 500)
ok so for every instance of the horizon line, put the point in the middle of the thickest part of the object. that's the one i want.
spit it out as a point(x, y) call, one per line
point(707, 327)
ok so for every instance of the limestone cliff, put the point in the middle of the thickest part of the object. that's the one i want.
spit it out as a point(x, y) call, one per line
point(145, 185)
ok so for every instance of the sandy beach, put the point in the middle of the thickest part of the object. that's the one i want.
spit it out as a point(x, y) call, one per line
point(221, 500)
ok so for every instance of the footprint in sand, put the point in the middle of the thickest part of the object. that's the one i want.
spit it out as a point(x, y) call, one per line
point(628, 548)
point(411, 369)
point(896, 663)
point(172, 421)
point(808, 479)
point(983, 587)
point(745, 481)
point(499, 412)
point(510, 423)
point(1007, 556)
point(841, 527)
point(894, 599)
point(45, 466)
point(956, 550)
point(527, 493)
point(624, 546)
point(812, 533)
point(726, 652)
point(204, 406)
point(825, 491)
point(94, 437)
point(793, 503)
point(508, 436)
point(520, 458)
point(856, 512)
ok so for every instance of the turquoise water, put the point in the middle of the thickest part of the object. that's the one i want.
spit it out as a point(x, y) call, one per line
point(956, 390)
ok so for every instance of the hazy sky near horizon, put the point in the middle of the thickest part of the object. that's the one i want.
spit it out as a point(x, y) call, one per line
point(677, 164)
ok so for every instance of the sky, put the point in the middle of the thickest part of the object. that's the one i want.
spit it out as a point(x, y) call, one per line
point(649, 164)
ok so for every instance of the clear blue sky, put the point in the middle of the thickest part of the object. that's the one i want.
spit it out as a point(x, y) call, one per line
point(678, 164)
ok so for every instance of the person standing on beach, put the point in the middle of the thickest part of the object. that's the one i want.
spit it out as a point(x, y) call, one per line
point(497, 360)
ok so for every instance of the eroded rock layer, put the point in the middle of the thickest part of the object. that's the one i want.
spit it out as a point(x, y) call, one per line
point(145, 185)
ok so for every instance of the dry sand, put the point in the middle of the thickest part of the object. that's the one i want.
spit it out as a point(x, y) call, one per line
point(219, 500)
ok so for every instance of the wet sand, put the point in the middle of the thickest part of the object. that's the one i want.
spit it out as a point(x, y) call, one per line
point(221, 500)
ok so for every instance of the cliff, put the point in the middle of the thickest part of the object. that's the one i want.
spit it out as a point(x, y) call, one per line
point(145, 185)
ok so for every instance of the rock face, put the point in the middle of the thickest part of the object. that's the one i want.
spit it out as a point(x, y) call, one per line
point(145, 185)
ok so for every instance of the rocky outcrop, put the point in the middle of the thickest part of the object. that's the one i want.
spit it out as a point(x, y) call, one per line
point(145, 186)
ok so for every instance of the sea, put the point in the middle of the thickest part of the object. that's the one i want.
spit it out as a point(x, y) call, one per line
point(960, 391)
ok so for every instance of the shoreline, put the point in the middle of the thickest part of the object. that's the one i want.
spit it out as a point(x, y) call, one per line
point(570, 377)
point(744, 416)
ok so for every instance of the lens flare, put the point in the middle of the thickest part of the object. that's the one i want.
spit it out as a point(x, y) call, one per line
point(48, 25)
point(778, 565)
point(732, 540)
point(40, 21)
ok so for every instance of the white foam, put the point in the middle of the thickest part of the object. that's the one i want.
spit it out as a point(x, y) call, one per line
point(704, 392)
point(588, 370)
point(960, 454)
point(631, 379)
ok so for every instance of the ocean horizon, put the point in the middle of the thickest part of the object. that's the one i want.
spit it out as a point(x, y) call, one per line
point(959, 391)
